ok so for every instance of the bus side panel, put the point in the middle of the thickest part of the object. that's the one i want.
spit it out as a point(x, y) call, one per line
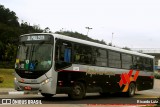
point(66, 80)
point(92, 82)
point(144, 83)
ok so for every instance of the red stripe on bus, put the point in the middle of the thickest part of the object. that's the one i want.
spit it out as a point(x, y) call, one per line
point(123, 79)
point(127, 77)
point(121, 83)
point(130, 73)
point(136, 75)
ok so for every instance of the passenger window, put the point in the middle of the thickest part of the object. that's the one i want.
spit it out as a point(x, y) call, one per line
point(148, 64)
point(138, 63)
point(134, 62)
point(82, 54)
point(63, 54)
point(100, 57)
point(126, 61)
point(114, 59)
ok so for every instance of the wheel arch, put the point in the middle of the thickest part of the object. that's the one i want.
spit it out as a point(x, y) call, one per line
point(83, 82)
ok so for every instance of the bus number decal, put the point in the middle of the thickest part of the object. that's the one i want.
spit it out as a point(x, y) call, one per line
point(75, 68)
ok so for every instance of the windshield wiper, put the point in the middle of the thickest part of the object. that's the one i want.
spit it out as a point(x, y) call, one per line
point(26, 52)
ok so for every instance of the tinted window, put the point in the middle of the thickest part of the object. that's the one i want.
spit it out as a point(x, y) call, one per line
point(126, 61)
point(63, 54)
point(138, 63)
point(82, 54)
point(99, 57)
point(134, 62)
point(114, 59)
point(148, 64)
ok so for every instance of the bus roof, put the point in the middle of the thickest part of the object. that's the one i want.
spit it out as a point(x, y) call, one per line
point(94, 44)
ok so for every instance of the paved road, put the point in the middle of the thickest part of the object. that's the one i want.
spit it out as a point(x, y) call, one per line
point(62, 100)
point(90, 99)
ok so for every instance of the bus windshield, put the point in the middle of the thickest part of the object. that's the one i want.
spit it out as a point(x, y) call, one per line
point(34, 57)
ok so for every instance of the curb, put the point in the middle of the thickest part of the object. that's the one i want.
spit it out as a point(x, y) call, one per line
point(3, 93)
point(17, 93)
point(156, 92)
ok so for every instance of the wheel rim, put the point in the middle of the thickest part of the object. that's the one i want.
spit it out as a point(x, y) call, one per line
point(77, 90)
point(132, 89)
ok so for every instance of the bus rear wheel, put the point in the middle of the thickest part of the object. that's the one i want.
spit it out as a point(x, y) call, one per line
point(131, 90)
point(78, 91)
point(46, 95)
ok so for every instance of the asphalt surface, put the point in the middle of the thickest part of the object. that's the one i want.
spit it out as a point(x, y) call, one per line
point(155, 91)
point(92, 99)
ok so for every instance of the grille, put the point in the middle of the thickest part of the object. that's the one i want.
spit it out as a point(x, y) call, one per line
point(30, 74)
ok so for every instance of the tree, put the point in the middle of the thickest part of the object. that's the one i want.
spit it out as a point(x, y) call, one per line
point(126, 48)
point(80, 36)
point(8, 17)
point(47, 30)
point(10, 29)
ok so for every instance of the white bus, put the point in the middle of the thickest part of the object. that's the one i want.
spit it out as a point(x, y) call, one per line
point(54, 63)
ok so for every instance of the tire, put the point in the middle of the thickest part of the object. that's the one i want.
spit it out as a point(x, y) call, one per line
point(131, 90)
point(46, 95)
point(78, 91)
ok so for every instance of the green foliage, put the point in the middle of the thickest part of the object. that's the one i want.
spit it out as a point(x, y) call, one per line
point(80, 36)
point(26, 28)
point(126, 48)
point(10, 29)
point(1, 79)
point(157, 75)
point(8, 17)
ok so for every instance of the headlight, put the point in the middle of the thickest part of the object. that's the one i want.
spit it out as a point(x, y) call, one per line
point(15, 79)
point(46, 81)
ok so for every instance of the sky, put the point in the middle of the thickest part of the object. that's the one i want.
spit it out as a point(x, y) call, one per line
point(125, 23)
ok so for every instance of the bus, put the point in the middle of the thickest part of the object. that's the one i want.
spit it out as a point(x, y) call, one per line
point(53, 64)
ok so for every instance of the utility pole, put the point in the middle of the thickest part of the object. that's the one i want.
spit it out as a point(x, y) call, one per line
point(88, 29)
point(112, 38)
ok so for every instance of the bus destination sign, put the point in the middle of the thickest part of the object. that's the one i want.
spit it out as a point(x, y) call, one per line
point(36, 38)
point(29, 38)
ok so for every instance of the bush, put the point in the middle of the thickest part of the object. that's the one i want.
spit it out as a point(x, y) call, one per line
point(7, 64)
point(1, 79)
point(157, 75)
point(158, 100)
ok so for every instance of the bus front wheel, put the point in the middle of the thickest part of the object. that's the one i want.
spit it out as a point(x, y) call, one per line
point(46, 95)
point(78, 91)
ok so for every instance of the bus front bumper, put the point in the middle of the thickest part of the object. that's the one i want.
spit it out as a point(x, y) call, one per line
point(39, 87)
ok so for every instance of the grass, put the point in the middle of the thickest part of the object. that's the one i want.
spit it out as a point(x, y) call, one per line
point(8, 77)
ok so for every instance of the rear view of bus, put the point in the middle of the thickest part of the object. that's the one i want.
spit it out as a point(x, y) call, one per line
point(34, 64)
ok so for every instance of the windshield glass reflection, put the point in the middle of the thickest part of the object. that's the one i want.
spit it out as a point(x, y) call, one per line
point(34, 56)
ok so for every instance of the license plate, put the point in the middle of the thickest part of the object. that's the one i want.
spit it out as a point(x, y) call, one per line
point(27, 88)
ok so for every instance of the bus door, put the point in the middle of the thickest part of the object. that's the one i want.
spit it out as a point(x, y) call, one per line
point(63, 54)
